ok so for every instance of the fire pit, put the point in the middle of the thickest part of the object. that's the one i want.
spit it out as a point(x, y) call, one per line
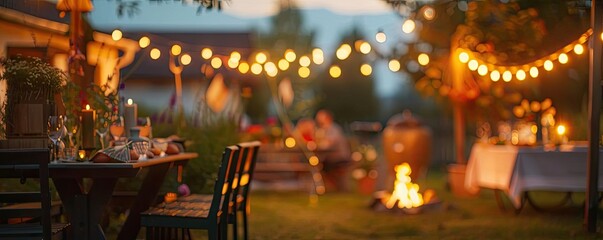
point(406, 197)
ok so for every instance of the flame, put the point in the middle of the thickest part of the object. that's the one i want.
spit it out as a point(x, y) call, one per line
point(406, 193)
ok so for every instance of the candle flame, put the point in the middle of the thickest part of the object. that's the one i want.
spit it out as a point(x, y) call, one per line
point(130, 102)
point(87, 106)
point(560, 129)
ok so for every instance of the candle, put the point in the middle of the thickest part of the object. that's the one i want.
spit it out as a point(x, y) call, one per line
point(561, 131)
point(88, 118)
point(130, 116)
point(82, 154)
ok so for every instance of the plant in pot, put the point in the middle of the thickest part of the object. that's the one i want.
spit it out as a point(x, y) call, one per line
point(33, 88)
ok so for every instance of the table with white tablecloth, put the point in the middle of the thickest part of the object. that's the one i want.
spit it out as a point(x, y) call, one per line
point(515, 170)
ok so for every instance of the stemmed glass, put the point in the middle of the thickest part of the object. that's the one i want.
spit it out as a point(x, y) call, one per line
point(55, 132)
point(117, 129)
point(102, 130)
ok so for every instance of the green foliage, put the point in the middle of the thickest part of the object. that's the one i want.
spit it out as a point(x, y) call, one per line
point(31, 73)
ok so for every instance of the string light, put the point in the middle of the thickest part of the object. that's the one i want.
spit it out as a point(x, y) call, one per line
point(380, 37)
point(206, 53)
point(216, 62)
point(283, 64)
point(495, 76)
point(155, 53)
point(366, 69)
point(429, 13)
point(176, 50)
point(344, 51)
point(270, 69)
point(563, 58)
point(534, 72)
point(423, 59)
point(303, 72)
point(235, 56)
point(473, 64)
point(335, 71)
point(243, 67)
point(116, 35)
point(578, 49)
point(317, 56)
point(507, 76)
point(233, 63)
point(290, 55)
point(365, 48)
point(548, 65)
point(408, 26)
point(464, 57)
point(482, 70)
point(256, 68)
point(144, 42)
point(304, 61)
point(261, 58)
point(394, 65)
point(185, 59)
point(520, 75)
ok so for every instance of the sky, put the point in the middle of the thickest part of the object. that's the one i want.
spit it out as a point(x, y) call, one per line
point(329, 19)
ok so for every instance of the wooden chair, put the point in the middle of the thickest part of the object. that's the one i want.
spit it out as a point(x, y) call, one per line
point(239, 202)
point(161, 221)
point(23, 164)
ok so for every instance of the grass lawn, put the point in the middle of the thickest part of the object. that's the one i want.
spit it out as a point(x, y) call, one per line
point(289, 215)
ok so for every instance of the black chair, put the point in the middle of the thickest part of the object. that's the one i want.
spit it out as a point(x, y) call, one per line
point(23, 164)
point(239, 202)
point(163, 220)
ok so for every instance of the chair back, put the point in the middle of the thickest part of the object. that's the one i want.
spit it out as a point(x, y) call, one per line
point(249, 151)
point(22, 164)
point(222, 187)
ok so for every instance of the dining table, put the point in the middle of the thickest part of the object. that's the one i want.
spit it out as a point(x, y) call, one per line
point(85, 202)
point(516, 170)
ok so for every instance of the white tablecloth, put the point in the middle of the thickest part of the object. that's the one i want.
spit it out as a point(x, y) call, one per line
point(515, 170)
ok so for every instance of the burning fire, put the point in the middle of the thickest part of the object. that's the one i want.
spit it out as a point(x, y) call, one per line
point(406, 193)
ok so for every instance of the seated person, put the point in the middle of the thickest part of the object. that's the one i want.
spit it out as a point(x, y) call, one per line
point(337, 161)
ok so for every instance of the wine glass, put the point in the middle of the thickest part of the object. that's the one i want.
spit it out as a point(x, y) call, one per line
point(117, 129)
point(55, 132)
point(101, 130)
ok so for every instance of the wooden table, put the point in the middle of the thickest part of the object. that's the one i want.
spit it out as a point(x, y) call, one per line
point(85, 207)
point(516, 170)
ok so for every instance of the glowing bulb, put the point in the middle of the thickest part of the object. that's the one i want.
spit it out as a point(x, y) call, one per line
point(380, 37)
point(366, 69)
point(507, 76)
point(290, 142)
point(423, 59)
point(561, 130)
point(563, 58)
point(256, 68)
point(394, 65)
point(206, 53)
point(176, 50)
point(343, 52)
point(303, 72)
point(520, 75)
point(155, 53)
point(233, 63)
point(317, 56)
point(313, 160)
point(243, 67)
point(429, 13)
point(261, 58)
point(578, 49)
point(235, 56)
point(116, 35)
point(473, 65)
point(464, 57)
point(365, 48)
point(495, 76)
point(548, 65)
point(270, 69)
point(482, 70)
point(216, 62)
point(335, 71)
point(408, 26)
point(290, 55)
point(144, 42)
point(304, 61)
point(534, 72)
point(283, 64)
point(185, 59)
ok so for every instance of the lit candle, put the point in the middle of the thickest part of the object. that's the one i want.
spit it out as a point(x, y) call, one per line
point(88, 118)
point(130, 116)
point(561, 131)
point(82, 154)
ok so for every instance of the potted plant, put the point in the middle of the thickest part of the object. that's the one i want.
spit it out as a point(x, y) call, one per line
point(32, 92)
